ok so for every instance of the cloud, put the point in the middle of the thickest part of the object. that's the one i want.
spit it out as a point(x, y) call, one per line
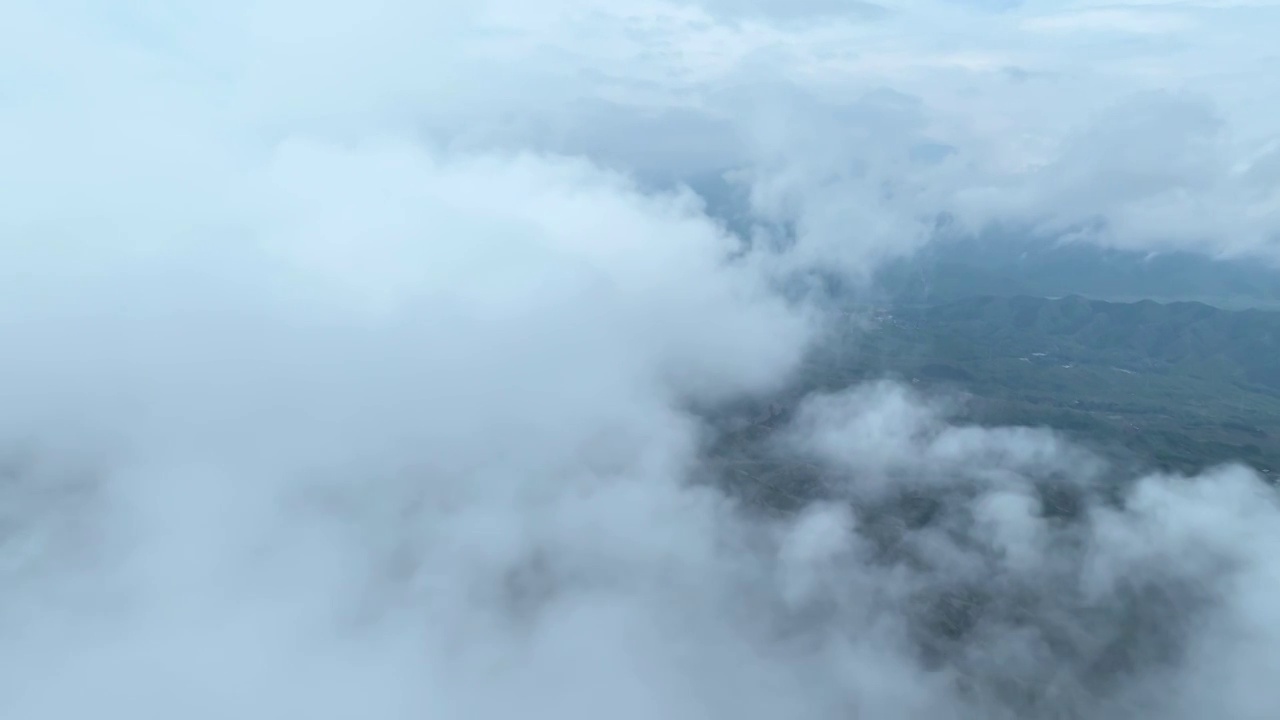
point(804, 10)
point(493, 327)
point(1020, 564)
point(1108, 21)
point(357, 359)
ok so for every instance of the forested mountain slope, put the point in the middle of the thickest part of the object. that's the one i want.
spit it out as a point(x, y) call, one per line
point(1180, 385)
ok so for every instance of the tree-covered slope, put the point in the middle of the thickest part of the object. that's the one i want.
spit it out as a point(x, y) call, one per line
point(1182, 385)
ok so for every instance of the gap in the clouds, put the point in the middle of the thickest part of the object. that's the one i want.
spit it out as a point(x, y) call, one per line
point(1025, 637)
point(1032, 637)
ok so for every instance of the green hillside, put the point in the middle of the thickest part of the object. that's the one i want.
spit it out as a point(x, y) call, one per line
point(1181, 385)
point(1006, 267)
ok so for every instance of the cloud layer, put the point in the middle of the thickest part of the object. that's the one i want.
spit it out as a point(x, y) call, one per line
point(356, 356)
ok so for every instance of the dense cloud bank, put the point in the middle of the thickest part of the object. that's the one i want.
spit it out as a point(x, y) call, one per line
point(356, 360)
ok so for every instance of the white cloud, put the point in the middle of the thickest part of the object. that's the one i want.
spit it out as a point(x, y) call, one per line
point(354, 348)
point(1113, 20)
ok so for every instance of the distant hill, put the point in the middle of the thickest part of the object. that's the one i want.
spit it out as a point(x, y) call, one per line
point(1182, 385)
point(951, 270)
point(1188, 338)
point(1013, 262)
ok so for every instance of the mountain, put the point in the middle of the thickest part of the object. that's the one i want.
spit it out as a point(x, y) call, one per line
point(1181, 338)
point(1178, 385)
point(951, 270)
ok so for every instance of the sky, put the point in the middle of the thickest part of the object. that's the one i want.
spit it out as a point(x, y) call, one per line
point(352, 353)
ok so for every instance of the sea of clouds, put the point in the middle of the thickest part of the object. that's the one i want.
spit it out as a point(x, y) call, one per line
point(349, 350)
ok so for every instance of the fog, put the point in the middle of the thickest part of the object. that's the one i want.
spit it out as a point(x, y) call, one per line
point(362, 360)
